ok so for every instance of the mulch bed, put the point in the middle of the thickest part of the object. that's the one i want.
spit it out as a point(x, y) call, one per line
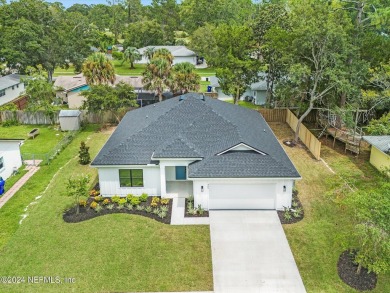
point(187, 215)
point(87, 213)
point(347, 272)
point(293, 219)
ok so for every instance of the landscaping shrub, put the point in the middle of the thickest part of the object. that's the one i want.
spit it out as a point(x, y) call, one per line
point(115, 199)
point(122, 201)
point(164, 201)
point(98, 208)
point(83, 203)
point(98, 198)
point(129, 197)
point(84, 157)
point(110, 206)
point(93, 205)
point(135, 201)
point(106, 201)
point(155, 201)
point(143, 197)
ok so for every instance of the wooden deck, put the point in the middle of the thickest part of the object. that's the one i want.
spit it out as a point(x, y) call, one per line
point(352, 142)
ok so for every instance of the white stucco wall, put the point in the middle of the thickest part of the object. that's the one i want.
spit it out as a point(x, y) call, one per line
point(12, 93)
point(10, 152)
point(283, 198)
point(109, 181)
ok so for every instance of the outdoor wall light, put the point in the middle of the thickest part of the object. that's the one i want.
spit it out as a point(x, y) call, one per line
point(284, 188)
point(201, 188)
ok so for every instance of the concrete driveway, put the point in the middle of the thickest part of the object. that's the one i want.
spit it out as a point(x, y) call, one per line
point(250, 253)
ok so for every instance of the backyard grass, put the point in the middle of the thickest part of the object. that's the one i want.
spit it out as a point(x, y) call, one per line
point(48, 137)
point(317, 240)
point(245, 104)
point(124, 69)
point(113, 253)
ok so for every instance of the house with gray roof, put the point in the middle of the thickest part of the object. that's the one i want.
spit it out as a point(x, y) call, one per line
point(226, 156)
point(180, 54)
point(255, 92)
point(11, 87)
point(380, 151)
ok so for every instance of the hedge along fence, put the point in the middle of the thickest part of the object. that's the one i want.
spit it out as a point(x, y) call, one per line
point(309, 139)
point(39, 117)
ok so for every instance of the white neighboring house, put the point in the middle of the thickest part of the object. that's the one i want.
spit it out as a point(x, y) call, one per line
point(10, 158)
point(180, 54)
point(11, 87)
point(225, 155)
point(257, 91)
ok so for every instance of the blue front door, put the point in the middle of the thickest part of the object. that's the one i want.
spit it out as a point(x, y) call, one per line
point(181, 173)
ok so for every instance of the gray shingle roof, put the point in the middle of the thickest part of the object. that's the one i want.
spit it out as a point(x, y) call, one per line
point(202, 128)
point(381, 142)
point(9, 80)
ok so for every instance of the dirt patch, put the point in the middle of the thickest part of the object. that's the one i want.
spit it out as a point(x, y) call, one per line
point(346, 269)
point(86, 213)
point(293, 219)
point(197, 215)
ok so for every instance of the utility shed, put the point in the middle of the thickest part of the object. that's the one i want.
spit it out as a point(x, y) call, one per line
point(70, 119)
point(380, 151)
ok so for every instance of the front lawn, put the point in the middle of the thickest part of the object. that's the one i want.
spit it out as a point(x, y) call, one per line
point(316, 241)
point(112, 253)
point(49, 136)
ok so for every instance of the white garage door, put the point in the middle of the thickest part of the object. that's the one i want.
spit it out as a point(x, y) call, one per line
point(242, 196)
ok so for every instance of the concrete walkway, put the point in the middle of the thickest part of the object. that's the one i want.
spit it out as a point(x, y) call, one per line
point(177, 218)
point(250, 253)
point(15, 188)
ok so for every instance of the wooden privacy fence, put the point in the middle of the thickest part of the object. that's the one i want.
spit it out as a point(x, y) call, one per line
point(274, 115)
point(309, 139)
point(39, 117)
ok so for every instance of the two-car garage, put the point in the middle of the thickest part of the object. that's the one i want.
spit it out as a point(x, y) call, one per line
point(242, 196)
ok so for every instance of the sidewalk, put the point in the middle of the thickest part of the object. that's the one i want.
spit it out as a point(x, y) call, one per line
point(178, 206)
point(15, 188)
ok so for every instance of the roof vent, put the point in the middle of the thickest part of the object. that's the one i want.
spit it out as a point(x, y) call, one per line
point(181, 98)
point(203, 97)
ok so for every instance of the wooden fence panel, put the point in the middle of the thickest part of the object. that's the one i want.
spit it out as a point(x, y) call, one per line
point(309, 140)
point(274, 115)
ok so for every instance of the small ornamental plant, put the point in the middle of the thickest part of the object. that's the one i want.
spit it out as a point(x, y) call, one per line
point(83, 203)
point(155, 201)
point(98, 198)
point(94, 193)
point(135, 201)
point(84, 157)
point(115, 198)
point(164, 201)
point(93, 205)
point(129, 197)
point(122, 201)
point(106, 201)
point(143, 197)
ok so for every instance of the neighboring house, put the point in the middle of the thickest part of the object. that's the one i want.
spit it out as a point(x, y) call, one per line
point(180, 54)
point(10, 158)
point(256, 92)
point(226, 156)
point(71, 88)
point(380, 151)
point(11, 87)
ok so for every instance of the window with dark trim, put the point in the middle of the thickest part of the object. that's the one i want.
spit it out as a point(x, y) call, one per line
point(2, 93)
point(1, 163)
point(131, 177)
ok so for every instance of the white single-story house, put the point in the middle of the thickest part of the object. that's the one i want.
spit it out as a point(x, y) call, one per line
point(256, 92)
point(71, 87)
point(11, 87)
point(180, 54)
point(225, 155)
point(10, 158)
point(380, 151)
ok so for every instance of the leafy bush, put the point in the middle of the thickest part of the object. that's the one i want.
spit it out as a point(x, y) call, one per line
point(135, 201)
point(106, 201)
point(380, 126)
point(110, 206)
point(98, 198)
point(148, 209)
point(164, 208)
point(122, 201)
point(98, 208)
point(117, 55)
point(294, 204)
point(94, 193)
point(93, 205)
point(297, 212)
point(143, 197)
point(287, 214)
point(115, 198)
point(155, 201)
point(139, 208)
point(84, 157)
point(162, 214)
point(120, 206)
point(200, 210)
point(129, 206)
point(156, 211)
point(190, 198)
point(83, 203)
point(164, 201)
point(129, 197)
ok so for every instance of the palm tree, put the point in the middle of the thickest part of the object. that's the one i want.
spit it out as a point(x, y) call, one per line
point(98, 69)
point(157, 75)
point(149, 52)
point(185, 78)
point(131, 54)
point(165, 54)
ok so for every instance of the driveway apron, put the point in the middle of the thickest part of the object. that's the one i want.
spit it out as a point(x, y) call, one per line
point(250, 253)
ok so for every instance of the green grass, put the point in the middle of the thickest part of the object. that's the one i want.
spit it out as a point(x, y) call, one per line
point(13, 179)
point(124, 69)
point(113, 253)
point(203, 86)
point(245, 104)
point(47, 139)
point(317, 241)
